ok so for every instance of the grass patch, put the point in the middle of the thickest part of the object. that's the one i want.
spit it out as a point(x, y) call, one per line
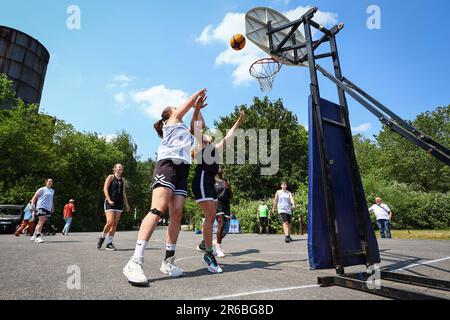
point(419, 234)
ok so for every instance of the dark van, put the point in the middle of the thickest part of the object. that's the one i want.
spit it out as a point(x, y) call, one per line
point(10, 217)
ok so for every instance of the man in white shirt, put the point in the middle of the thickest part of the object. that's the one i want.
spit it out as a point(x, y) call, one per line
point(383, 215)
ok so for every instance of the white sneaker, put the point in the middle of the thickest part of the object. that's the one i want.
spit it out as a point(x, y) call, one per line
point(169, 267)
point(212, 264)
point(220, 253)
point(38, 240)
point(33, 237)
point(134, 272)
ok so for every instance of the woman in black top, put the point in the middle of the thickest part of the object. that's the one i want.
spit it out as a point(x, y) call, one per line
point(115, 200)
point(206, 157)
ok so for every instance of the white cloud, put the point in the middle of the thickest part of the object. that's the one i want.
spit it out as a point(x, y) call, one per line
point(122, 78)
point(362, 128)
point(155, 99)
point(120, 98)
point(120, 81)
point(234, 22)
point(111, 86)
point(205, 37)
point(285, 2)
point(321, 17)
point(108, 137)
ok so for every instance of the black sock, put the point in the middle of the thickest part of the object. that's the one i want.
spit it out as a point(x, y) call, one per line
point(169, 253)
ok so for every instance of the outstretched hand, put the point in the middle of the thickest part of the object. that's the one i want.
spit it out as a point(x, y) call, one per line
point(200, 101)
point(241, 116)
point(200, 93)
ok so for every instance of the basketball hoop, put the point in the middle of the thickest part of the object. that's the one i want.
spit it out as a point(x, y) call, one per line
point(265, 70)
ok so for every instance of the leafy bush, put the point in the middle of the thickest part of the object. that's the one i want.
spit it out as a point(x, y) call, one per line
point(246, 212)
point(411, 209)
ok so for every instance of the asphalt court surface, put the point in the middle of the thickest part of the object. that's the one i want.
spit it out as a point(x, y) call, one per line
point(255, 267)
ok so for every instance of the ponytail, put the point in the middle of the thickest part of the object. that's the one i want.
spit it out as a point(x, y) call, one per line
point(165, 115)
point(158, 127)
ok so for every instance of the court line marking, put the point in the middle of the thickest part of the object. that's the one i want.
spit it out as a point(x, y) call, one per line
point(279, 252)
point(421, 264)
point(190, 257)
point(199, 255)
point(260, 292)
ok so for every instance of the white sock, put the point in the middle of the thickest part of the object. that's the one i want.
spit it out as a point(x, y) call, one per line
point(140, 248)
point(110, 239)
point(171, 247)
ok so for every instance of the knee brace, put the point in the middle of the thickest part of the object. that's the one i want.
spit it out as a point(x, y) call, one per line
point(156, 212)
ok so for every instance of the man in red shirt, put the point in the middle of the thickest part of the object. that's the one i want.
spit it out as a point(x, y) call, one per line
point(69, 210)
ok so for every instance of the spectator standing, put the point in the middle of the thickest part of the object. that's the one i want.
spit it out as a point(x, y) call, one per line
point(383, 215)
point(69, 210)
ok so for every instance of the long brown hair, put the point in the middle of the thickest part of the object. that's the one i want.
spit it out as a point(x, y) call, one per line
point(165, 115)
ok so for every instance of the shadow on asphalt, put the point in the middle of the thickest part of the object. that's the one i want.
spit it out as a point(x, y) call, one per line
point(400, 262)
point(228, 268)
point(242, 253)
point(296, 240)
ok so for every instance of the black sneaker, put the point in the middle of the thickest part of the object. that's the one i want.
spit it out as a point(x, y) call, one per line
point(211, 262)
point(287, 240)
point(110, 247)
point(290, 239)
point(201, 247)
point(100, 242)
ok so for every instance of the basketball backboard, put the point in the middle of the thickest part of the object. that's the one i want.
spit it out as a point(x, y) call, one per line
point(256, 25)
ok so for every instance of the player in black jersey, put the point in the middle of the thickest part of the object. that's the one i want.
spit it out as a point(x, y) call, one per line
point(115, 202)
point(206, 156)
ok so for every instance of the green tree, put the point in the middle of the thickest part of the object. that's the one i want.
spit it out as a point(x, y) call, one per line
point(403, 161)
point(34, 147)
point(7, 94)
point(246, 179)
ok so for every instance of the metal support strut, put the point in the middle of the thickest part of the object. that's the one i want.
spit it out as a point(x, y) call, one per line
point(357, 281)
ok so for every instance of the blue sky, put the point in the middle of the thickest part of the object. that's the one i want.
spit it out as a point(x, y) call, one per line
point(131, 57)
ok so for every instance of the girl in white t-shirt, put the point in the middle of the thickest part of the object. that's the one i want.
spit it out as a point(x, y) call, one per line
point(284, 202)
point(41, 207)
point(170, 179)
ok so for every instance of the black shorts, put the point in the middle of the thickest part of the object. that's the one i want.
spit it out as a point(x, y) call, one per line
point(117, 206)
point(286, 217)
point(170, 175)
point(43, 212)
point(203, 187)
point(224, 209)
point(263, 221)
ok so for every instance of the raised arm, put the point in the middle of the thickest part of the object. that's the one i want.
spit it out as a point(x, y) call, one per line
point(230, 133)
point(180, 112)
point(197, 121)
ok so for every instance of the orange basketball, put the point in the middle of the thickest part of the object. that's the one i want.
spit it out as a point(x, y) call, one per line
point(237, 42)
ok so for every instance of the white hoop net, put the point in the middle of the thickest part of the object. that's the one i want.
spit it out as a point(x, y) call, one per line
point(265, 70)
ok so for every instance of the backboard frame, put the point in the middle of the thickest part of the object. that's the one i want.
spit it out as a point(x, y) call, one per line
point(280, 47)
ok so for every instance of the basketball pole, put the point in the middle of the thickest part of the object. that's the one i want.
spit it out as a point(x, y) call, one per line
point(357, 281)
